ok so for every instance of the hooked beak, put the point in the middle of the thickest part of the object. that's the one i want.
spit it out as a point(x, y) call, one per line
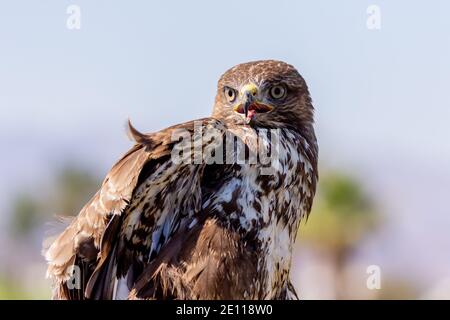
point(249, 103)
point(248, 100)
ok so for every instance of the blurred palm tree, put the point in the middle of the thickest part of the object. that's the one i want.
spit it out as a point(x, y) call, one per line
point(342, 216)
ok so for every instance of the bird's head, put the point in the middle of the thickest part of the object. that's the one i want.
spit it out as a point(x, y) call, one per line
point(267, 94)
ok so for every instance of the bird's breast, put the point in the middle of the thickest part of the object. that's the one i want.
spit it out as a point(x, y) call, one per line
point(266, 203)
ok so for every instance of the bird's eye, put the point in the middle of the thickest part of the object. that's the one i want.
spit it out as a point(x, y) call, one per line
point(230, 94)
point(277, 92)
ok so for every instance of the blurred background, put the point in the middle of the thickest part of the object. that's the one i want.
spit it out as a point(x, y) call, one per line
point(378, 73)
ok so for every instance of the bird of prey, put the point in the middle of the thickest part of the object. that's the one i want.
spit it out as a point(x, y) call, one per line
point(170, 223)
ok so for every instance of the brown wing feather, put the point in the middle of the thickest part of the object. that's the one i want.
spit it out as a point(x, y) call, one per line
point(88, 228)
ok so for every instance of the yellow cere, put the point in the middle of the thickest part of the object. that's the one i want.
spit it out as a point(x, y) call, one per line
point(251, 87)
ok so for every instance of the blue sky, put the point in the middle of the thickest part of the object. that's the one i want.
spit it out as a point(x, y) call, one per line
point(381, 97)
point(158, 64)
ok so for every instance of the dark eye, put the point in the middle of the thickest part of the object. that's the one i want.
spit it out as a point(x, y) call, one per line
point(230, 94)
point(277, 92)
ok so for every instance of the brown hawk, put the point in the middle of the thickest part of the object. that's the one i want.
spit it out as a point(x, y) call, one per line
point(172, 223)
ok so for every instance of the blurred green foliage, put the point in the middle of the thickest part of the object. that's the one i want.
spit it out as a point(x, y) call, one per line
point(25, 214)
point(342, 216)
point(12, 290)
point(342, 213)
point(71, 189)
point(74, 187)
